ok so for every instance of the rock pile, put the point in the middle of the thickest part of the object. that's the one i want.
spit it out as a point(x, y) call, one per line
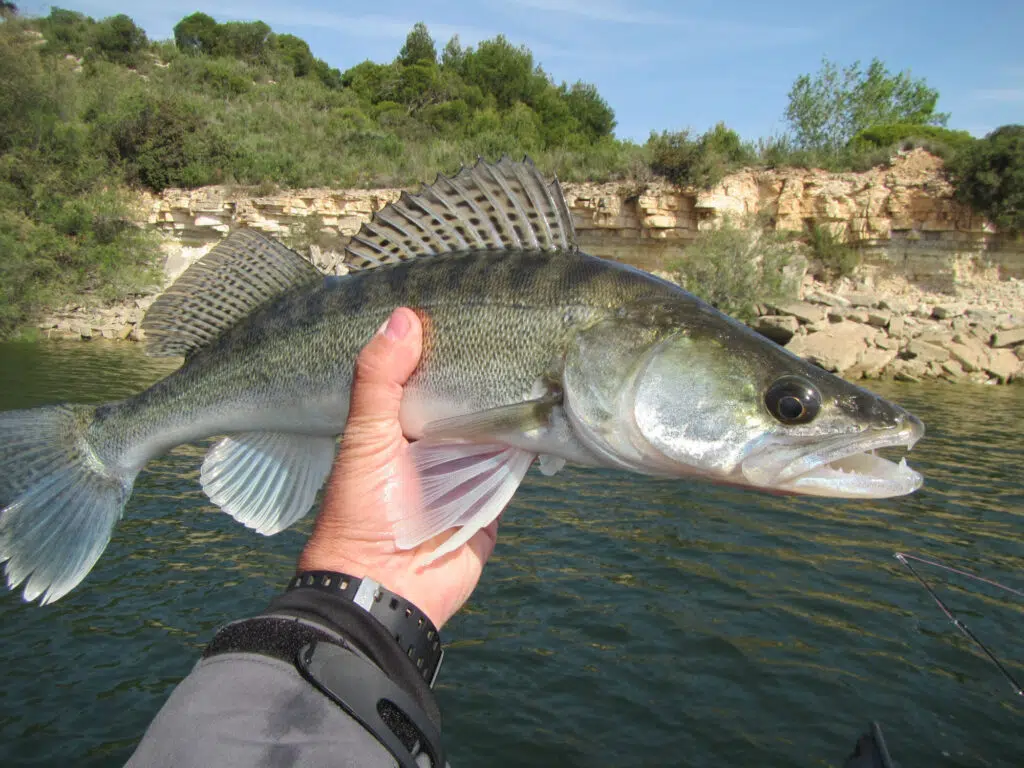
point(907, 336)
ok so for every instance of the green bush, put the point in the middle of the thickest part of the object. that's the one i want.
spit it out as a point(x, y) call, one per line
point(890, 135)
point(834, 258)
point(701, 162)
point(65, 223)
point(740, 265)
point(118, 40)
point(989, 176)
point(161, 142)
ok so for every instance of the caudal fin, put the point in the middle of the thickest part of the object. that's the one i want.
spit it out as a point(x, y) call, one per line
point(58, 500)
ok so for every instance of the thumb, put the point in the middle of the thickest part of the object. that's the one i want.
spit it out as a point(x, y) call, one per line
point(383, 367)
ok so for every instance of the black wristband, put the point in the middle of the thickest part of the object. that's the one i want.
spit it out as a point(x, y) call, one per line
point(415, 634)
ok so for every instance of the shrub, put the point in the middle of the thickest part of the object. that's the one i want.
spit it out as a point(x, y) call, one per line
point(738, 266)
point(699, 162)
point(889, 135)
point(834, 258)
point(118, 40)
point(989, 176)
point(162, 142)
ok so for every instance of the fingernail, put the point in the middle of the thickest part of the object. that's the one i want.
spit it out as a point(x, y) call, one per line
point(397, 326)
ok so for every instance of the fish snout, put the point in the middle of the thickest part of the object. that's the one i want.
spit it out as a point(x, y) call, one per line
point(878, 413)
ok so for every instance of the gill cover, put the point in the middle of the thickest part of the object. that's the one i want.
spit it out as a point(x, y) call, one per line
point(661, 404)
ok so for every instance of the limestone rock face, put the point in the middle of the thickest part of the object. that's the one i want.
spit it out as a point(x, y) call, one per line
point(939, 292)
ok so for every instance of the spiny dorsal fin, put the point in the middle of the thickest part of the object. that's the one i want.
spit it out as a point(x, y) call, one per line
point(241, 273)
point(490, 206)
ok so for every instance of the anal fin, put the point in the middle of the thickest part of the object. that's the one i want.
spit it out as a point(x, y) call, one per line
point(267, 480)
point(465, 485)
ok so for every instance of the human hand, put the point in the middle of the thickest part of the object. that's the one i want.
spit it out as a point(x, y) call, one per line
point(374, 481)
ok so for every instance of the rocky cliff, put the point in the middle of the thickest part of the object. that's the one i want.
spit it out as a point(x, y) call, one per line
point(927, 260)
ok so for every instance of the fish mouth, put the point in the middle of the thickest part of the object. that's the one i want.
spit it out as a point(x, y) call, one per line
point(841, 467)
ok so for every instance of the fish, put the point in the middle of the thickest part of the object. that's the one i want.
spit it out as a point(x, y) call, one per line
point(533, 352)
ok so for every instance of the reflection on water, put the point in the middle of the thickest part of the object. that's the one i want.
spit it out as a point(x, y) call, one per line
point(623, 620)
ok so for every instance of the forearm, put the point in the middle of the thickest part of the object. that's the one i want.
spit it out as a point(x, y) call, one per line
point(295, 686)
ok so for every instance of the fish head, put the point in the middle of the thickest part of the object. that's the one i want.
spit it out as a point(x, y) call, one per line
point(705, 396)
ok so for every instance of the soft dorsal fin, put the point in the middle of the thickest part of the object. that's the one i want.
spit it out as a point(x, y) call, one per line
point(490, 206)
point(241, 273)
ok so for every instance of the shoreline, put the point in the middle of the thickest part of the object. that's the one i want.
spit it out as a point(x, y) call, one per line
point(939, 294)
point(890, 329)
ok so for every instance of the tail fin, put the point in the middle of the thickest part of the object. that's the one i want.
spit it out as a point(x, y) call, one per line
point(58, 500)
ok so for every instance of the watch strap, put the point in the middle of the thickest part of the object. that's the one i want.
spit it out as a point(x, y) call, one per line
point(415, 634)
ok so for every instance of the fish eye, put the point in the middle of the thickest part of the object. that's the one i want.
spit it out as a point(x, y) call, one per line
point(792, 400)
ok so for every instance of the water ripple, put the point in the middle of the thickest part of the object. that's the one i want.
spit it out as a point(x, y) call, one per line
point(623, 620)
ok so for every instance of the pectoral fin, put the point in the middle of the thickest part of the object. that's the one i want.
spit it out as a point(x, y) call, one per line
point(465, 485)
point(519, 417)
point(267, 480)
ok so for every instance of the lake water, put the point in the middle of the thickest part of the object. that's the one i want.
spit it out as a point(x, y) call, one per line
point(622, 621)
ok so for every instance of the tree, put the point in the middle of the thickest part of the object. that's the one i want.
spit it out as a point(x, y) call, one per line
point(117, 39)
point(7, 9)
point(419, 47)
point(196, 34)
point(502, 70)
point(67, 31)
point(595, 117)
point(294, 51)
point(828, 110)
point(248, 40)
point(453, 56)
point(989, 176)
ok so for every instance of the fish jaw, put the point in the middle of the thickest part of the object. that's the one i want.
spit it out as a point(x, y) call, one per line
point(841, 467)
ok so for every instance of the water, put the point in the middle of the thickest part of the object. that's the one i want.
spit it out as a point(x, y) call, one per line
point(622, 621)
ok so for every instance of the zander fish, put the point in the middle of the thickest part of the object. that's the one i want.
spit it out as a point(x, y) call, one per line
point(532, 350)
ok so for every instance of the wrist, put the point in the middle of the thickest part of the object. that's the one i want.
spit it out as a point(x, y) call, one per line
point(406, 625)
point(399, 574)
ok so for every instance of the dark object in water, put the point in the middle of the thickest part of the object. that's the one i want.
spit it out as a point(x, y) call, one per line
point(870, 750)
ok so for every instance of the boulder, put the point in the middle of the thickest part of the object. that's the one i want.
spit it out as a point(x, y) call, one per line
point(1003, 364)
point(952, 369)
point(856, 315)
point(801, 310)
point(879, 318)
point(897, 326)
point(909, 370)
point(826, 298)
point(925, 351)
point(862, 299)
point(946, 311)
point(836, 348)
point(1008, 338)
point(778, 328)
point(970, 353)
point(871, 363)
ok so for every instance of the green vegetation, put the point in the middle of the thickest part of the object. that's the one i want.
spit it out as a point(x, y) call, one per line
point(65, 226)
point(828, 110)
point(91, 109)
point(832, 257)
point(739, 265)
point(909, 135)
point(701, 162)
point(989, 176)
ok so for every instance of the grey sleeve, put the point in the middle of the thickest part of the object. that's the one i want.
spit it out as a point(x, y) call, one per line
point(241, 709)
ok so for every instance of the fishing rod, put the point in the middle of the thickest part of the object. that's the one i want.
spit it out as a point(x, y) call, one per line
point(905, 558)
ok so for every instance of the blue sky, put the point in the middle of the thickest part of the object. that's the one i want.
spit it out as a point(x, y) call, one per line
point(670, 65)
